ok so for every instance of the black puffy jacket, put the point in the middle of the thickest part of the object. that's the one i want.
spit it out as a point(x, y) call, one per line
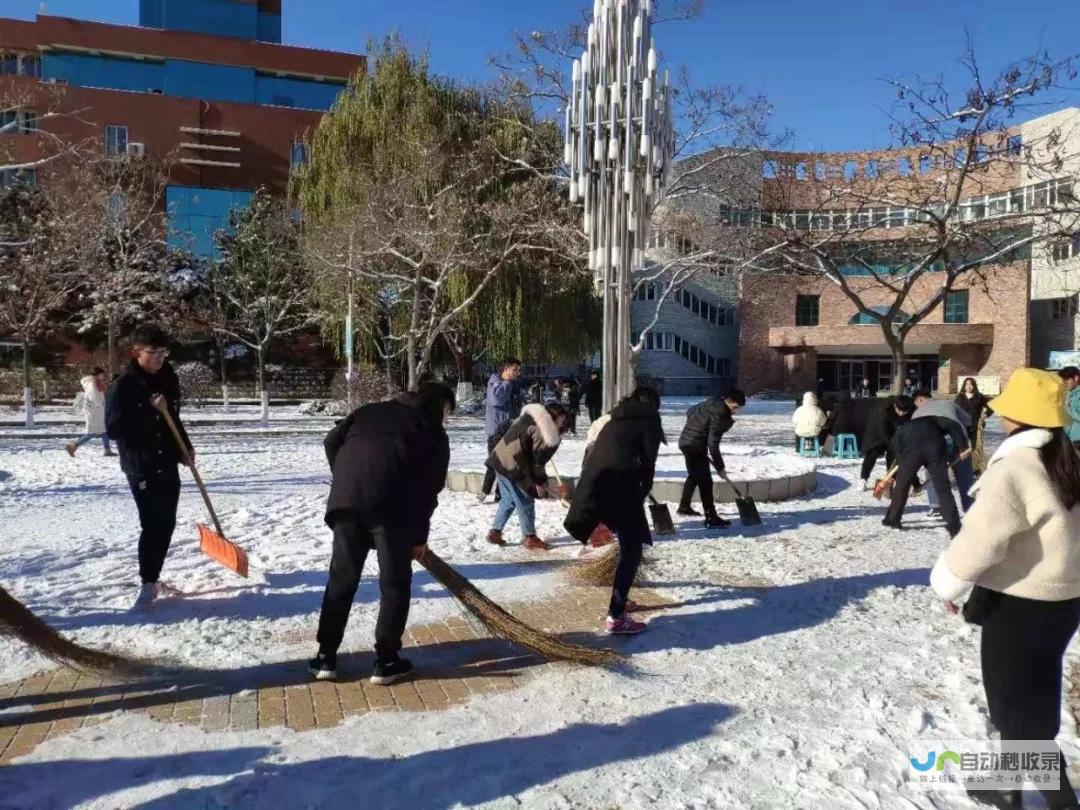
point(919, 441)
point(389, 467)
point(882, 425)
point(147, 447)
point(618, 473)
point(706, 424)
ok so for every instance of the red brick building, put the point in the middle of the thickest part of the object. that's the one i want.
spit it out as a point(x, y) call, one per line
point(192, 82)
point(797, 329)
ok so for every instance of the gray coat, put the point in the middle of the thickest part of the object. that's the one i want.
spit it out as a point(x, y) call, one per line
point(952, 420)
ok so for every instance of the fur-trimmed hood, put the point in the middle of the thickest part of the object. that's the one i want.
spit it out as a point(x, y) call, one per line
point(549, 433)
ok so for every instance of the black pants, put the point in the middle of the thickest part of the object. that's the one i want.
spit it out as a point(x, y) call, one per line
point(631, 541)
point(353, 539)
point(938, 469)
point(871, 455)
point(699, 477)
point(489, 474)
point(156, 499)
point(1023, 644)
point(594, 411)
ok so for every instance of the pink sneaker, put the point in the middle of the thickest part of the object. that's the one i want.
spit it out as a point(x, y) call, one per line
point(625, 625)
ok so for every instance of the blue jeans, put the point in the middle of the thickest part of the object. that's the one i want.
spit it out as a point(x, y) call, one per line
point(87, 437)
point(964, 474)
point(514, 499)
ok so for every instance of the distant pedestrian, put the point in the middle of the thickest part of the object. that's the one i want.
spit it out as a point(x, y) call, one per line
point(1071, 378)
point(498, 407)
point(706, 424)
point(864, 391)
point(616, 479)
point(573, 403)
point(808, 420)
point(972, 402)
point(1017, 555)
point(909, 387)
point(594, 395)
point(93, 400)
point(148, 452)
point(389, 462)
point(519, 460)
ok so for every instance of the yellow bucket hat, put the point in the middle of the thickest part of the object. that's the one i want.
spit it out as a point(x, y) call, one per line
point(1034, 398)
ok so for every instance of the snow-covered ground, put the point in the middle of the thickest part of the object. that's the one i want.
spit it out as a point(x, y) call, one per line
point(804, 695)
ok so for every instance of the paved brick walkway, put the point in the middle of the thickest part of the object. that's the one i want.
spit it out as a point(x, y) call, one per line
point(455, 658)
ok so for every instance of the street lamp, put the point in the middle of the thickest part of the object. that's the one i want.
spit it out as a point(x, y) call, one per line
point(619, 149)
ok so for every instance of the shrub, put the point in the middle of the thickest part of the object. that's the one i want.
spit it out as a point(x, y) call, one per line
point(198, 383)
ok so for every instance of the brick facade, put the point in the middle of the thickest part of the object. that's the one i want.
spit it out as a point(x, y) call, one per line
point(775, 354)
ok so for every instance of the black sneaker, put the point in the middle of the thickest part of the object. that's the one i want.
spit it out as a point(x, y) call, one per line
point(893, 524)
point(687, 511)
point(716, 522)
point(388, 672)
point(323, 667)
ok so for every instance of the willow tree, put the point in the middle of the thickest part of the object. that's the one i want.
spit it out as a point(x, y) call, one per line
point(417, 197)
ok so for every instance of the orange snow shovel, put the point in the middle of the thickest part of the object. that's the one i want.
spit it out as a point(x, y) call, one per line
point(212, 543)
point(883, 485)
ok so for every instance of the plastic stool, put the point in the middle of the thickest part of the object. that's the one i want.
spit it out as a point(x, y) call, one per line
point(810, 448)
point(847, 446)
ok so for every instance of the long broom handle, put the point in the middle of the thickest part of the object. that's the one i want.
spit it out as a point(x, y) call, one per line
point(724, 475)
point(191, 466)
point(558, 480)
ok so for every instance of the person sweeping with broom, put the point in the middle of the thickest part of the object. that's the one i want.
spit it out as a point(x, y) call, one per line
point(389, 463)
point(149, 456)
point(616, 480)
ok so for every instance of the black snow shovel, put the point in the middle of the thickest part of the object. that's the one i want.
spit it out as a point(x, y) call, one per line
point(748, 513)
point(661, 517)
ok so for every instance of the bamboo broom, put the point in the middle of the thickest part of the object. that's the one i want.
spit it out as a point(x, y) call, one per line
point(500, 623)
point(18, 621)
point(599, 569)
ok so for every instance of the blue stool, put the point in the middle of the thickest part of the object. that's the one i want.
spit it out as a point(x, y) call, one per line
point(810, 448)
point(846, 446)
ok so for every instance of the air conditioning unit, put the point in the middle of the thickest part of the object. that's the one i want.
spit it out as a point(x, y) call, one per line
point(136, 149)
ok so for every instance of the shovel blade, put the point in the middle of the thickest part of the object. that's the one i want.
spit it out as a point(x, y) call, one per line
point(220, 550)
point(748, 511)
point(661, 519)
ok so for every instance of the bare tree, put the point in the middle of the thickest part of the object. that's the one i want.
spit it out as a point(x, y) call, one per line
point(960, 195)
point(721, 133)
point(37, 277)
point(126, 264)
point(35, 111)
point(260, 286)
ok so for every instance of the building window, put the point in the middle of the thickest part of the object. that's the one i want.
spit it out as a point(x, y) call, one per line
point(956, 306)
point(1063, 251)
point(1062, 309)
point(22, 122)
point(18, 177)
point(299, 153)
point(116, 140)
point(807, 310)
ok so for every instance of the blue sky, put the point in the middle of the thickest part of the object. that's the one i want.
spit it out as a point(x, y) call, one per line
point(820, 63)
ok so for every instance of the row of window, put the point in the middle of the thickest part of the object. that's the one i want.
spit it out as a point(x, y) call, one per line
point(15, 177)
point(987, 206)
point(771, 169)
point(718, 316)
point(13, 63)
point(670, 342)
point(116, 143)
point(808, 311)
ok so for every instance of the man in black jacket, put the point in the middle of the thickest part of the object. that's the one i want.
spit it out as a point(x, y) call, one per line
point(920, 443)
point(706, 424)
point(616, 479)
point(881, 427)
point(148, 452)
point(594, 395)
point(389, 463)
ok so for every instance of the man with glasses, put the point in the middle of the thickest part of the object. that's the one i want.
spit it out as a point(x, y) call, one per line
point(148, 453)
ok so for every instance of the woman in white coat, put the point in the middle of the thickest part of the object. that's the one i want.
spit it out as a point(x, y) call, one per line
point(94, 404)
point(809, 420)
point(1019, 554)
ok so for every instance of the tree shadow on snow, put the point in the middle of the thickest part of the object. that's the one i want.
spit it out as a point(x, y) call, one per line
point(437, 779)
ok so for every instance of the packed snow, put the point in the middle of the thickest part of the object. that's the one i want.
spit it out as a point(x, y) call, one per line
point(803, 695)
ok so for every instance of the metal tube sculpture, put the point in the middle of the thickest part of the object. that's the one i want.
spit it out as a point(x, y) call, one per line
point(619, 149)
